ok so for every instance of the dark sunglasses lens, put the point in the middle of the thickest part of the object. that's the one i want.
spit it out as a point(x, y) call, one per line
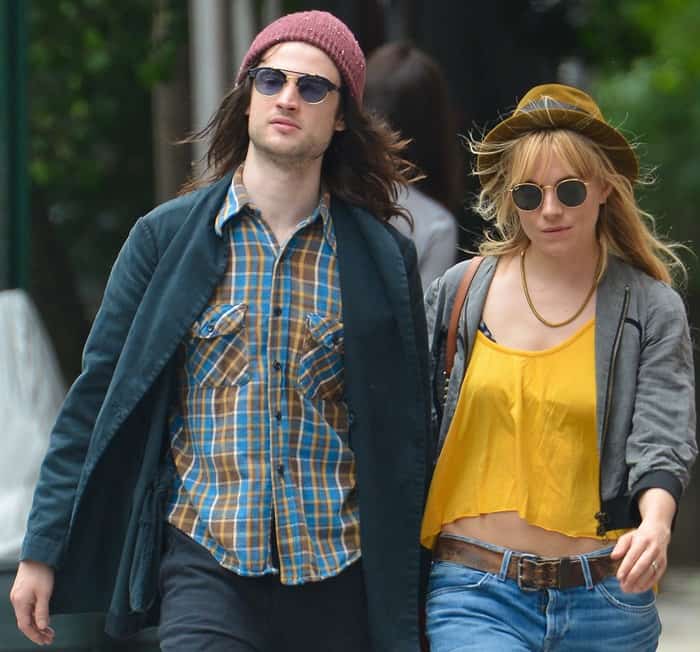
point(311, 89)
point(571, 192)
point(527, 196)
point(269, 82)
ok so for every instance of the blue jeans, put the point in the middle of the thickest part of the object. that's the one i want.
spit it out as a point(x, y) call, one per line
point(469, 609)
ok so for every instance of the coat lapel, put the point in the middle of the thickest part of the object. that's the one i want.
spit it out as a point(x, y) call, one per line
point(610, 300)
point(365, 250)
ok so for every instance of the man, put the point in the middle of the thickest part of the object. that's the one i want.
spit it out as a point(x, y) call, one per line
point(254, 389)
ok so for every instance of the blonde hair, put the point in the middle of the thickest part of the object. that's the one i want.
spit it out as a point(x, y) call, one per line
point(623, 228)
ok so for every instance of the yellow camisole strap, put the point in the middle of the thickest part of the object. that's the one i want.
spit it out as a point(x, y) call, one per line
point(523, 439)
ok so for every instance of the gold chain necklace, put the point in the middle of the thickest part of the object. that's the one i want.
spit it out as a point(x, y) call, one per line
point(526, 292)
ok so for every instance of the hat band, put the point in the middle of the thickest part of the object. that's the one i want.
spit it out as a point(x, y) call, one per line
point(549, 103)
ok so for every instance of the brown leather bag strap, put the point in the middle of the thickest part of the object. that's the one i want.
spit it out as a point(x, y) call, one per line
point(460, 297)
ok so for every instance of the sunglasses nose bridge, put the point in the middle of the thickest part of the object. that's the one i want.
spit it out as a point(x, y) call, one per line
point(550, 204)
point(289, 93)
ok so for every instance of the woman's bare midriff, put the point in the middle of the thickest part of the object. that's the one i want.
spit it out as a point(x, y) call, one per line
point(508, 530)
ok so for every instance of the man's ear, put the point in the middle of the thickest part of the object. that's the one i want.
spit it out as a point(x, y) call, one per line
point(340, 123)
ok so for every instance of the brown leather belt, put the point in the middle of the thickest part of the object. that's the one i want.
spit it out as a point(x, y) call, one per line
point(531, 572)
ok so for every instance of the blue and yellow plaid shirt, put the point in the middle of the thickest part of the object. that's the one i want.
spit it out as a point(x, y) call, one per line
point(260, 431)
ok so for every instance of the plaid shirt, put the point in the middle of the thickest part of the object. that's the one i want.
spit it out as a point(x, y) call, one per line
point(261, 429)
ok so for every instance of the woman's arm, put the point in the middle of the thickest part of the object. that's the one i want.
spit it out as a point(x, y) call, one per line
point(661, 447)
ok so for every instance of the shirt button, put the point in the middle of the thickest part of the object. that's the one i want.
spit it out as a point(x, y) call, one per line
point(209, 328)
point(277, 311)
point(278, 415)
point(276, 365)
point(280, 469)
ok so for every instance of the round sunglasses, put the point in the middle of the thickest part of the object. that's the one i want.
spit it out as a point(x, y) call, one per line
point(313, 89)
point(529, 196)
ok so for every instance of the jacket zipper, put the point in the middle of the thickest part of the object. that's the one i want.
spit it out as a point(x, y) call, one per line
point(601, 516)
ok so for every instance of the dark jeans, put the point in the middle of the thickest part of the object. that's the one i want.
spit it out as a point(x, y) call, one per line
point(209, 608)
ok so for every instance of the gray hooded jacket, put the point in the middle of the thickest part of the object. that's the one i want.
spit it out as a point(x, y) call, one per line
point(645, 406)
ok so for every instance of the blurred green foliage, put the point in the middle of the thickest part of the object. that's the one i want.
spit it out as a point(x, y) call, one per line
point(646, 60)
point(92, 64)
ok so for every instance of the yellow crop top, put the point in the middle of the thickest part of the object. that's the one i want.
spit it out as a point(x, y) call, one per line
point(523, 438)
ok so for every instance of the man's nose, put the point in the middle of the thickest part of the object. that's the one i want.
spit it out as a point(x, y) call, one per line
point(288, 97)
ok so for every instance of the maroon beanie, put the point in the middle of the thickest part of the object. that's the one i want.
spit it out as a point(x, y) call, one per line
point(322, 30)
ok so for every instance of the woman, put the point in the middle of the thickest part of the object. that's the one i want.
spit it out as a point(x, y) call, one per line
point(568, 425)
point(407, 88)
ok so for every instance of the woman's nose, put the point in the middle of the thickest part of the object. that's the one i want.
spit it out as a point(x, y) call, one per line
point(550, 202)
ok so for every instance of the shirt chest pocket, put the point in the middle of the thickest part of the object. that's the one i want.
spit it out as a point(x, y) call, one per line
point(321, 364)
point(217, 349)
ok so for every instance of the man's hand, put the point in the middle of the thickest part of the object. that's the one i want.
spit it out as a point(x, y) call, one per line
point(30, 598)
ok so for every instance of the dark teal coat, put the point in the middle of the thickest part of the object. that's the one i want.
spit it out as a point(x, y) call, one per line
point(98, 508)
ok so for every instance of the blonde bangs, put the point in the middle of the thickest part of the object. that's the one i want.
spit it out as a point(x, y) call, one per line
point(574, 150)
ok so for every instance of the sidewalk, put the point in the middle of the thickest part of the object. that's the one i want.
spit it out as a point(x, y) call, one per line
point(679, 608)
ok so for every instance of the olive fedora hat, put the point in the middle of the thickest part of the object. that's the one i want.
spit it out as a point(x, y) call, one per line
point(556, 106)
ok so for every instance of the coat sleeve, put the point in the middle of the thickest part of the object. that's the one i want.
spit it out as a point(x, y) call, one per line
point(661, 447)
point(55, 494)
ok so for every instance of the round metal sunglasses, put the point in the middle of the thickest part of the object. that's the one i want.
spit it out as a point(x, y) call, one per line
point(529, 196)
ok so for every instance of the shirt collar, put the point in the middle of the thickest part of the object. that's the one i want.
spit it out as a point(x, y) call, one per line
point(237, 200)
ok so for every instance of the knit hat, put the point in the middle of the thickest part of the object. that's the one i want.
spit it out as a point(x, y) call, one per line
point(556, 106)
point(322, 30)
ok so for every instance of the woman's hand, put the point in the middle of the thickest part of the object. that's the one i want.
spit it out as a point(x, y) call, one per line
point(644, 551)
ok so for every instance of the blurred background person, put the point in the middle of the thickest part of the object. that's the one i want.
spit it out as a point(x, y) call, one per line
point(407, 87)
point(31, 391)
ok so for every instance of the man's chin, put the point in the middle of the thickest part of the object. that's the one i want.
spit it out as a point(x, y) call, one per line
point(289, 155)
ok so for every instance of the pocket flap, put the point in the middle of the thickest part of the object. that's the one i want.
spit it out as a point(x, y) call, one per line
point(220, 320)
point(323, 330)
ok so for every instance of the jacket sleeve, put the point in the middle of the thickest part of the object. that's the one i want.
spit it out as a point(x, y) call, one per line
point(54, 497)
point(662, 447)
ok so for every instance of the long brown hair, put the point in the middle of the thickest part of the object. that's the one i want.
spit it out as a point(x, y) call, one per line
point(363, 164)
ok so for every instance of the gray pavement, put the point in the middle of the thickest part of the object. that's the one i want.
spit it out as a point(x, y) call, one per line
point(679, 608)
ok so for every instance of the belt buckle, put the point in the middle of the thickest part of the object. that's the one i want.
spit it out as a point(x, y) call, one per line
point(521, 584)
point(553, 579)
